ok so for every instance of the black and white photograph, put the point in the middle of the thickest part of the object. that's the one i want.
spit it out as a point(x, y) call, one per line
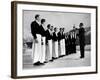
point(53, 39)
point(56, 39)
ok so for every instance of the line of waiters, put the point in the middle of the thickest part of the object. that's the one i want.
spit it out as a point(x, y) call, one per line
point(49, 44)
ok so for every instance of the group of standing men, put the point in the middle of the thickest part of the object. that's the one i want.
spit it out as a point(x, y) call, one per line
point(70, 41)
point(49, 44)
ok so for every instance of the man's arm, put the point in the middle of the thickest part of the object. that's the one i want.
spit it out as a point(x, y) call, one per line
point(33, 30)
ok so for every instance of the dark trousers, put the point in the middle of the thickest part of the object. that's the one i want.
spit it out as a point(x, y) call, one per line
point(74, 48)
point(82, 50)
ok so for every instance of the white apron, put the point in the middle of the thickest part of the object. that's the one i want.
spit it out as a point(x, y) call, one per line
point(37, 49)
point(64, 52)
point(49, 50)
point(59, 49)
point(43, 54)
point(55, 54)
point(62, 46)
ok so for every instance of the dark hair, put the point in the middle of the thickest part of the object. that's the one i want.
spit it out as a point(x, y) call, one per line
point(42, 21)
point(73, 26)
point(81, 24)
point(48, 26)
point(55, 28)
point(37, 15)
point(63, 28)
point(51, 26)
point(60, 28)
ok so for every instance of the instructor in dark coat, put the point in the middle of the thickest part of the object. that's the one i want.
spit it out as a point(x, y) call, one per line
point(82, 39)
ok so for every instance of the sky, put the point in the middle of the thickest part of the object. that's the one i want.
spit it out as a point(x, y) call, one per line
point(57, 19)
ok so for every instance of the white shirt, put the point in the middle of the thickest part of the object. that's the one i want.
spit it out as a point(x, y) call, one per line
point(56, 33)
point(50, 32)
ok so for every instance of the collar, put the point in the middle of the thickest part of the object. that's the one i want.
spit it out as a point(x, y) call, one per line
point(37, 22)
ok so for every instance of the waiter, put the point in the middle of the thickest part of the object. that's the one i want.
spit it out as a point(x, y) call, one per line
point(43, 46)
point(81, 39)
point(60, 42)
point(55, 39)
point(52, 30)
point(72, 43)
point(69, 43)
point(63, 41)
point(36, 33)
point(66, 43)
point(74, 40)
point(48, 44)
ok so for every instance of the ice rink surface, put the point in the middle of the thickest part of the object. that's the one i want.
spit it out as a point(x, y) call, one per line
point(72, 60)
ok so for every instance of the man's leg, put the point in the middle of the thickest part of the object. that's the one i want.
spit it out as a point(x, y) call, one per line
point(60, 48)
point(75, 48)
point(50, 49)
point(64, 46)
point(56, 49)
point(54, 54)
point(47, 53)
point(36, 59)
point(43, 51)
point(60, 54)
point(82, 51)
